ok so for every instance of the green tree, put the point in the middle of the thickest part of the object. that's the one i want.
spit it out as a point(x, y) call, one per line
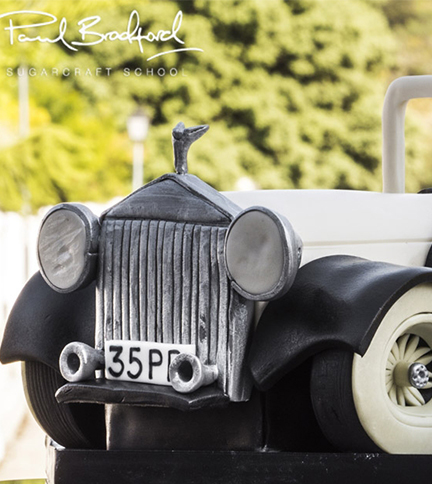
point(292, 92)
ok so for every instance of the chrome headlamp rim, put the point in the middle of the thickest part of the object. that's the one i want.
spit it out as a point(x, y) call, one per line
point(291, 245)
point(91, 245)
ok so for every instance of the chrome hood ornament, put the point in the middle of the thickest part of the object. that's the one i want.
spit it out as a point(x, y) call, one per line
point(182, 139)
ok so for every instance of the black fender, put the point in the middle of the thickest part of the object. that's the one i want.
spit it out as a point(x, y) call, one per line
point(335, 302)
point(43, 321)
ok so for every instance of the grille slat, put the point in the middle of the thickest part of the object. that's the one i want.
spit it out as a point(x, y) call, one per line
point(203, 336)
point(151, 286)
point(177, 292)
point(142, 281)
point(194, 316)
point(100, 284)
point(126, 257)
point(223, 322)
point(108, 281)
point(167, 267)
point(117, 279)
point(134, 271)
point(214, 294)
point(187, 287)
point(160, 282)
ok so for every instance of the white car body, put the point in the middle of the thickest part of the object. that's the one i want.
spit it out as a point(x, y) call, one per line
point(388, 227)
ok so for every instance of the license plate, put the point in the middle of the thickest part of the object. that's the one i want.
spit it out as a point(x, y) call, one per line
point(141, 361)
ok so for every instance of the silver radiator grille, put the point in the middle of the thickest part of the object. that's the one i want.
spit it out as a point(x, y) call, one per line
point(165, 282)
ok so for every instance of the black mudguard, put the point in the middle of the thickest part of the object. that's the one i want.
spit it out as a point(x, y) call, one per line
point(335, 302)
point(43, 321)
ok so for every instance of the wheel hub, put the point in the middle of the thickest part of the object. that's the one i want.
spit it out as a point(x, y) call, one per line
point(418, 375)
point(406, 371)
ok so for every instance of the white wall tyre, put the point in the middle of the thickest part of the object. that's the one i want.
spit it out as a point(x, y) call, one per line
point(368, 403)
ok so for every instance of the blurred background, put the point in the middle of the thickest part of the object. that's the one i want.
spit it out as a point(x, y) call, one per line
point(292, 91)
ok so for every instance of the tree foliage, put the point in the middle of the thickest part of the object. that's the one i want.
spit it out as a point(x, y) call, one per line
point(292, 91)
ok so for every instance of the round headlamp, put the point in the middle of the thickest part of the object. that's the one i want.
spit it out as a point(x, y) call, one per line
point(67, 247)
point(262, 254)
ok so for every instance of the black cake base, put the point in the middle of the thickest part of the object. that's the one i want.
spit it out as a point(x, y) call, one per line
point(185, 467)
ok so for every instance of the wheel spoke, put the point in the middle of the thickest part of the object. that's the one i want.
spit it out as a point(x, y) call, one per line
point(425, 360)
point(410, 398)
point(416, 394)
point(402, 343)
point(395, 351)
point(411, 347)
point(400, 396)
point(389, 385)
point(418, 353)
point(392, 394)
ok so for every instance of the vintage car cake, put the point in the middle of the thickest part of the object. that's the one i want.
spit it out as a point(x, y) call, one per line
point(185, 319)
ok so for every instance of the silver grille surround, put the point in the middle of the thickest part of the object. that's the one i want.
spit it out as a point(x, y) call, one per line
point(166, 282)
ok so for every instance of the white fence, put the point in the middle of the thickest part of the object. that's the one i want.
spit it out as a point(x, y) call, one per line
point(18, 262)
point(18, 237)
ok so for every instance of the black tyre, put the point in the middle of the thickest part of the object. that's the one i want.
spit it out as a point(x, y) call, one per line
point(74, 426)
point(369, 403)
